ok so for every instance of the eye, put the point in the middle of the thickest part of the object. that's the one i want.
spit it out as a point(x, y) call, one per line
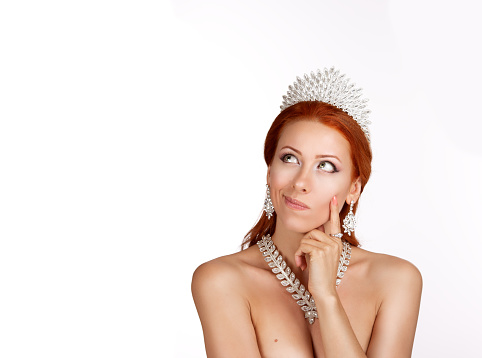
point(289, 158)
point(327, 167)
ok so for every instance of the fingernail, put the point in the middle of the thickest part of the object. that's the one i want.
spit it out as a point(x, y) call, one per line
point(335, 202)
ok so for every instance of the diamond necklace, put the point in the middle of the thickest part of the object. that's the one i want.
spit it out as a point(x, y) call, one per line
point(289, 280)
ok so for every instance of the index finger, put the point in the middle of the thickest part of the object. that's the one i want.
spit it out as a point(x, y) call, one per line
point(335, 227)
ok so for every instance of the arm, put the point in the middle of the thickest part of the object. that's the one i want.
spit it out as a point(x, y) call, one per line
point(400, 291)
point(337, 335)
point(394, 329)
point(224, 311)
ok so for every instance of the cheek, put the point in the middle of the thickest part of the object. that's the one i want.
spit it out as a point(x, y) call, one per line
point(323, 206)
point(277, 183)
point(324, 192)
point(281, 179)
point(280, 176)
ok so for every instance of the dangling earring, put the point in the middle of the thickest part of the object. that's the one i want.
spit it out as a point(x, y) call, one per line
point(349, 222)
point(268, 204)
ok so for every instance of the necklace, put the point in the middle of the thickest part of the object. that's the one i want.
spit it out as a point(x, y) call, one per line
point(288, 279)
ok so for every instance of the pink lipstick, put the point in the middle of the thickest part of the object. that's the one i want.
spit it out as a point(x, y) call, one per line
point(295, 204)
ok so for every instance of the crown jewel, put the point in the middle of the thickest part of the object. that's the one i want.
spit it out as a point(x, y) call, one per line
point(330, 87)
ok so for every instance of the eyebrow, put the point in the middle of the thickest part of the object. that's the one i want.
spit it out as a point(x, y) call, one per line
point(318, 156)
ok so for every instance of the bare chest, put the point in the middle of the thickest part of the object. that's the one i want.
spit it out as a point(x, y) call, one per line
point(282, 330)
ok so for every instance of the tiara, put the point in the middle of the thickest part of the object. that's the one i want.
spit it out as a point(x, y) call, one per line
point(332, 88)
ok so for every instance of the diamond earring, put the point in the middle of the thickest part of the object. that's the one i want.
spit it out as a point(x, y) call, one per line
point(349, 222)
point(268, 204)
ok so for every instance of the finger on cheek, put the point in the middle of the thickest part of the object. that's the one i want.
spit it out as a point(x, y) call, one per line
point(335, 215)
point(334, 205)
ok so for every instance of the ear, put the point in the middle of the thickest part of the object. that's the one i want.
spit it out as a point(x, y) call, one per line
point(268, 175)
point(355, 191)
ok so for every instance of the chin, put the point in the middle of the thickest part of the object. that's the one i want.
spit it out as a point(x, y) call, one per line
point(301, 226)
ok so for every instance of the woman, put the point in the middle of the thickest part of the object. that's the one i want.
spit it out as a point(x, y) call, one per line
point(254, 303)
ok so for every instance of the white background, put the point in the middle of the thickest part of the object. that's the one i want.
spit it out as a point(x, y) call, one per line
point(131, 141)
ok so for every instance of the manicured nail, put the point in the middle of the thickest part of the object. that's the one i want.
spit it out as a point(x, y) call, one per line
point(335, 202)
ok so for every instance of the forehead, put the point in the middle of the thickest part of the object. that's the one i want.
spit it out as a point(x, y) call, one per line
point(314, 138)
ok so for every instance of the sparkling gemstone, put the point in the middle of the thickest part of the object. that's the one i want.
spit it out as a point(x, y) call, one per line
point(290, 282)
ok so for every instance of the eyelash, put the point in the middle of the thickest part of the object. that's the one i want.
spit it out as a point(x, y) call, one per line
point(335, 169)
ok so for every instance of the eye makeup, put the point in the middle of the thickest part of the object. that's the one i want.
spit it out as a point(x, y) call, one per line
point(325, 165)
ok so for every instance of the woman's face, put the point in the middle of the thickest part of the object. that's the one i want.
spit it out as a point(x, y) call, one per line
point(312, 163)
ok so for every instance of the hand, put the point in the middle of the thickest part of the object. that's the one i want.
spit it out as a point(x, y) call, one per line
point(320, 253)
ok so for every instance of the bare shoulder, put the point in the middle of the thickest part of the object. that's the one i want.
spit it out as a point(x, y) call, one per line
point(224, 271)
point(217, 270)
point(398, 287)
point(229, 276)
point(389, 273)
point(396, 267)
point(221, 299)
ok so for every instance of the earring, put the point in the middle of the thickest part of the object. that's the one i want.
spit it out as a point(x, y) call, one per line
point(268, 204)
point(349, 222)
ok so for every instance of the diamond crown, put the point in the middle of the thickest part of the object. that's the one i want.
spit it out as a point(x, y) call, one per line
point(330, 87)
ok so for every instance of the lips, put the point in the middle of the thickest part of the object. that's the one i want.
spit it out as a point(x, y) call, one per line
point(295, 204)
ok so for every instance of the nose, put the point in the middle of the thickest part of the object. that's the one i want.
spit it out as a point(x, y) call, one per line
point(302, 181)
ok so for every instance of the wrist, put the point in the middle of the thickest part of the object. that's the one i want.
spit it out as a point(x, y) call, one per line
point(327, 298)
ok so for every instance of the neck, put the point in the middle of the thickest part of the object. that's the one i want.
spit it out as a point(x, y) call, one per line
point(287, 242)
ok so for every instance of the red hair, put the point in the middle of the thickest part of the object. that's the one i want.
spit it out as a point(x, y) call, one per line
point(361, 155)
